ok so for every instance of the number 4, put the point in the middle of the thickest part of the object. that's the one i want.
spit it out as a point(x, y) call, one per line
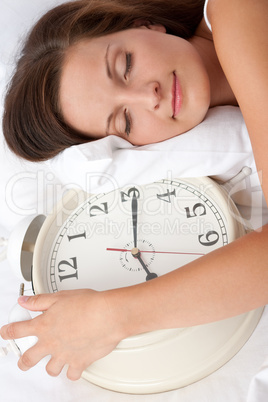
point(166, 196)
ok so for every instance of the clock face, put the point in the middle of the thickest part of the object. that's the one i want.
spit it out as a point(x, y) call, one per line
point(132, 235)
point(135, 234)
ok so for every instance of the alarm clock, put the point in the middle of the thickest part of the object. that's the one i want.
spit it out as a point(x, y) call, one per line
point(135, 234)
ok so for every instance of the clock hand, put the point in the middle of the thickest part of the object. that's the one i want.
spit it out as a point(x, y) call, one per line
point(157, 252)
point(134, 207)
point(136, 254)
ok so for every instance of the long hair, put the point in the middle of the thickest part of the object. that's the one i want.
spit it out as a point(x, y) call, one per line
point(32, 123)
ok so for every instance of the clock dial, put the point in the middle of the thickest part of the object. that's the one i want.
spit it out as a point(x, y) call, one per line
point(133, 235)
point(126, 257)
point(170, 223)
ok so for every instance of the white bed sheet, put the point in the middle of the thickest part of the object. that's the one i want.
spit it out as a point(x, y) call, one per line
point(230, 383)
point(219, 147)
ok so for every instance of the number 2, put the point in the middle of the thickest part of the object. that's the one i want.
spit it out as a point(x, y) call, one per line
point(98, 209)
point(69, 269)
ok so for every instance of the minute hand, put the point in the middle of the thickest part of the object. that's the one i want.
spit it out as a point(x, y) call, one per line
point(134, 206)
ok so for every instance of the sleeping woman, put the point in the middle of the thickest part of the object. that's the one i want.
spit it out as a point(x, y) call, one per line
point(144, 71)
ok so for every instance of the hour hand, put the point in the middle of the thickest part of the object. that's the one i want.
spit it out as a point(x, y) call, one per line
point(136, 254)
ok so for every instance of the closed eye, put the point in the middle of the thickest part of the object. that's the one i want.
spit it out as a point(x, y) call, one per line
point(128, 122)
point(128, 64)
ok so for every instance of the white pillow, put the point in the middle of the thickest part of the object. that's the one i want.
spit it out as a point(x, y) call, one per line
point(219, 146)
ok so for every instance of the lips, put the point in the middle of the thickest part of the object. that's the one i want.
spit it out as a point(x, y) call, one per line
point(176, 96)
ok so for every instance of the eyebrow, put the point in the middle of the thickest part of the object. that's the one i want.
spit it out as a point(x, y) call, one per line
point(108, 70)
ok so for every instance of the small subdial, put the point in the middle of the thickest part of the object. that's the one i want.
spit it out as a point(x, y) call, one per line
point(130, 263)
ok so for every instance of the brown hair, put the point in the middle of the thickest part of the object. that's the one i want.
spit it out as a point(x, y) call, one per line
point(32, 123)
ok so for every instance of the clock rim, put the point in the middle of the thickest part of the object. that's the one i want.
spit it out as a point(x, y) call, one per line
point(168, 384)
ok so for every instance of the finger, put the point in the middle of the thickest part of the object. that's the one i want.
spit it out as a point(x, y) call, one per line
point(17, 330)
point(74, 373)
point(54, 367)
point(31, 357)
point(40, 302)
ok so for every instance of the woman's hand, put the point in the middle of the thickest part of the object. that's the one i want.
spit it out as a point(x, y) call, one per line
point(76, 328)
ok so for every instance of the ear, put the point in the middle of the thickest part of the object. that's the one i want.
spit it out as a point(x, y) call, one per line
point(140, 23)
point(157, 27)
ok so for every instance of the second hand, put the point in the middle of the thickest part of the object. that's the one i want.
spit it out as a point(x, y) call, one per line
point(149, 251)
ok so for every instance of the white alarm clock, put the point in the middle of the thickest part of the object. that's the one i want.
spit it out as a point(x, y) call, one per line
point(129, 236)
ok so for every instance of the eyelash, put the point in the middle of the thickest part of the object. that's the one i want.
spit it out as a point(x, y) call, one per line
point(128, 123)
point(128, 69)
point(128, 64)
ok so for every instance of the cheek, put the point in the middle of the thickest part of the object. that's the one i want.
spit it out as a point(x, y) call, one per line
point(153, 130)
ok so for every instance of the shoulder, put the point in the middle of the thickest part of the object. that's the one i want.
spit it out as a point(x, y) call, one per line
point(240, 35)
point(233, 11)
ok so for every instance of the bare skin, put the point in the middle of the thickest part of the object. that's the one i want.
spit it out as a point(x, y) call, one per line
point(130, 76)
point(243, 54)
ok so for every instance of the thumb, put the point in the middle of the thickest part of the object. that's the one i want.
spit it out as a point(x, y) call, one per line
point(40, 302)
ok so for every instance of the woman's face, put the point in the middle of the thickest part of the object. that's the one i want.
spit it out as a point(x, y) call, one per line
point(140, 84)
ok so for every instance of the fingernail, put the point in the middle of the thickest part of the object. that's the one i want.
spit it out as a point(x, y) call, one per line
point(23, 299)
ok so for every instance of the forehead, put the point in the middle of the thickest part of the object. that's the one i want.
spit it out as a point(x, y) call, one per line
point(80, 64)
point(130, 36)
point(89, 51)
point(86, 58)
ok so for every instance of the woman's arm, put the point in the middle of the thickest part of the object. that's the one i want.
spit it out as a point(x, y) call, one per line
point(224, 283)
point(240, 34)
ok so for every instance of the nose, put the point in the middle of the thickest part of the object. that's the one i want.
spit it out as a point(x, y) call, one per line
point(147, 95)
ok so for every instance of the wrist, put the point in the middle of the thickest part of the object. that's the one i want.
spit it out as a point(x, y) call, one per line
point(131, 310)
point(117, 313)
